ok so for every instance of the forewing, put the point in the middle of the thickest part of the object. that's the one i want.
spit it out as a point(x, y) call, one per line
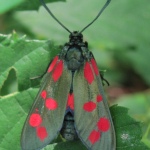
point(46, 116)
point(91, 113)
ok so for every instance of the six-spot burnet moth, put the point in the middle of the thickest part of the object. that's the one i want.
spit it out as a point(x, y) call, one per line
point(71, 100)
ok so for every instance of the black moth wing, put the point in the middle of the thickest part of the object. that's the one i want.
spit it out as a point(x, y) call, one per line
point(93, 121)
point(46, 116)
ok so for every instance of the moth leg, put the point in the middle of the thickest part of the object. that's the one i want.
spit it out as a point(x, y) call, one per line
point(37, 77)
point(102, 77)
point(41, 76)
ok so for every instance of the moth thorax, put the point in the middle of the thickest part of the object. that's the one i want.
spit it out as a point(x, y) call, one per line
point(68, 130)
point(74, 58)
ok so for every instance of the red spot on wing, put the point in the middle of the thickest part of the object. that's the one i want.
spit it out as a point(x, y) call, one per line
point(99, 98)
point(35, 120)
point(36, 109)
point(53, 64)
point(88, 73)
point(58, 71)
point(94, 136)
point(70, 102)
point(94, 67)
point(50, 103)
point(43, 94)
point(103, 124)
point(42, 133)
point(90, 106)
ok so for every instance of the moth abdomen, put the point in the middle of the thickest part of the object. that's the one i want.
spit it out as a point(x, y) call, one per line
point(68, 130)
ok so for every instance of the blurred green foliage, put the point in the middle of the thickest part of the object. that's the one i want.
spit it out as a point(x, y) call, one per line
point(8, 4)
point(119, 40)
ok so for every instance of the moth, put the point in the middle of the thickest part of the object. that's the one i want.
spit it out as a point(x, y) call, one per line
point(71, 100)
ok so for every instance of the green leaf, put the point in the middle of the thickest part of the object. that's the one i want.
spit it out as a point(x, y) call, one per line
point(10, 84)
point(138, 104)
point(145, 137)
point(32, 4)
point(6, 5)
point(28, 58)
point(22, 4)
point(13, 112)
point(128, 130)
point(146, 141)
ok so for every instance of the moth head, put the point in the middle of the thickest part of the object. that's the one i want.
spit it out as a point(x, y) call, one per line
point(76, 36)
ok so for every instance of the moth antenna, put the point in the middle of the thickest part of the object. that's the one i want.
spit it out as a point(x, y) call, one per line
point(43, 3)
point(106, 4)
